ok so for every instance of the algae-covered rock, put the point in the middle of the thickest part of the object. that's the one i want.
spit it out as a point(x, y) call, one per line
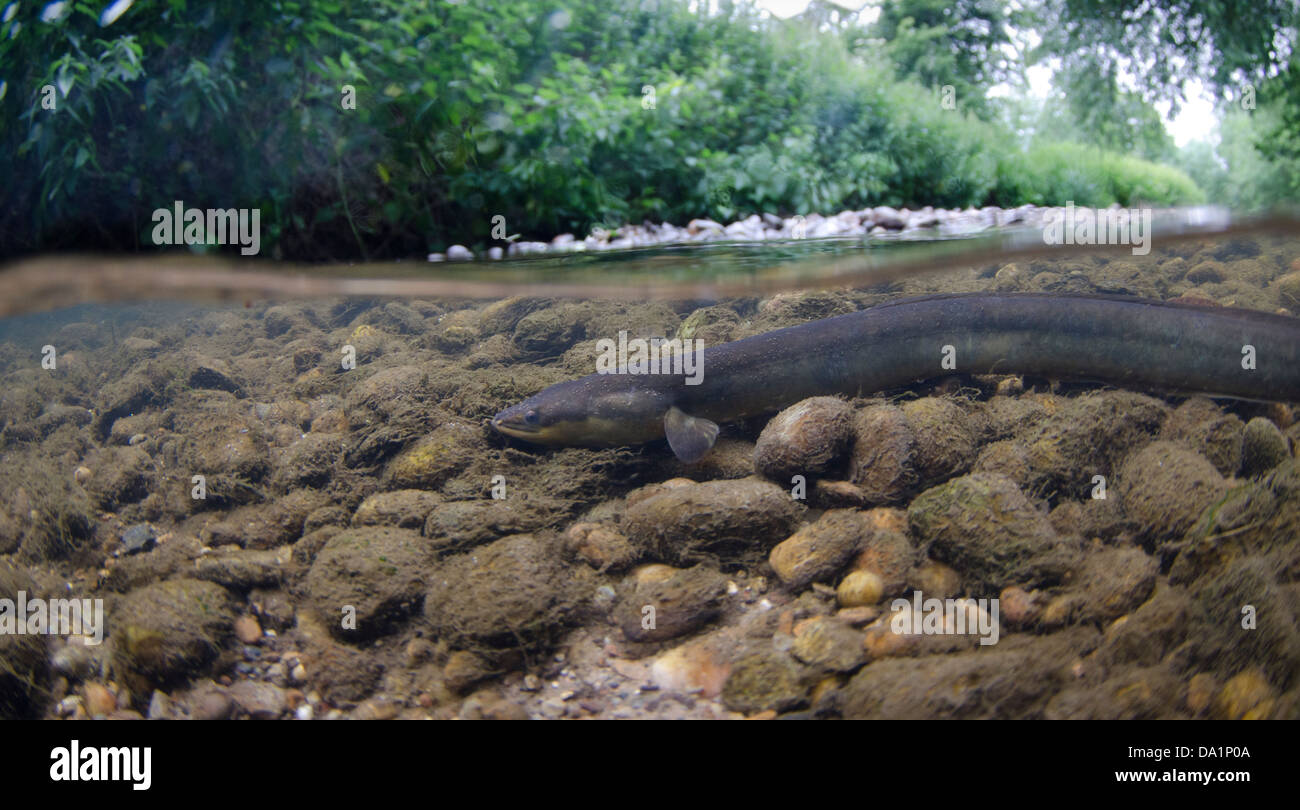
point(714, 325)
point(403, 508)
point(309, 461)
point(1012, 680)
point(820, 550)
point(171, 630)
point(945, 437)
point(1165, 486)
point(733, 521)
point(1259, 517)
point(982, 525)
point(828, 644)
point(1006, 457)
point(1205, 428)
point(516, 589)
point(1109, 583)
point(1249, 618)
point(600, 546)
point(667, 602)
point(458, 525)
point(265, 526)
point(804, 439)
point(548, 332)
point(1092, 519)
point(1288, 290)
point(882, 454)
point(375, 575)
point(431, 461)
point(119, 476)
point(886, 549)
point(1157, 627)
point(1144, 694)
point(22, 655)
point(1089, 437)
point(766, 681)
point(1263, 447)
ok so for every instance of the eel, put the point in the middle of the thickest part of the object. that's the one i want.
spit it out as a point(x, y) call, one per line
point(1128, 342)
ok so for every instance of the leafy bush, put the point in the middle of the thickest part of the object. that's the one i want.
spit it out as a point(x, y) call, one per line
point(535, 110)
point(1052, 174)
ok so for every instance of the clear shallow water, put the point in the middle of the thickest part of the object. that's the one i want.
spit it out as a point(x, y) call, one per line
point(307, 462)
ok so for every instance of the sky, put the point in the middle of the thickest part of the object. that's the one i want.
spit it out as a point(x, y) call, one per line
point(1196, 120)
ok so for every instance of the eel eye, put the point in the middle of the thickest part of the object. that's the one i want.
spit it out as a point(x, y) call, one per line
point(530, 417)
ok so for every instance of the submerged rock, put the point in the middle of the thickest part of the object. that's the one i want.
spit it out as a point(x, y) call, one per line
point(882, 454)
point(171, 630)
point(1165, 487)
point(805, 439)
point(23, 673)
point(366, 580)
point(1263, 447)
point(1014, 679)
point(732, 521)
point(819, 551)
point(515, 589)
point(983, 526)
point(665, 603)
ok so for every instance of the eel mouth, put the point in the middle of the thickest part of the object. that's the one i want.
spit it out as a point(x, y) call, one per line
point(513, 427)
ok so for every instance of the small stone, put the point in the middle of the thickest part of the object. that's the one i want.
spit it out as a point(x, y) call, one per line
point(464, 669)
point(828, 643)
point(81, 475)
point(860, 588)
point(99, 701)
point(376, 708)
point(858, 616)
point(1245, 696)
point(73, 660)
point(600, 546)
point(160, 706)
point(820, 550)
point(263, 701)
point(304, 712)
point(139, 537)
point(1020, 608)
point(695, 667)
point(935, 579)
point(247, 630)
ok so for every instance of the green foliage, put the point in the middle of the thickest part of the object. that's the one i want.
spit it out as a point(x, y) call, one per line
point(536, 110)
point(961, 44)
point(1088, 176)
point(1240, 172)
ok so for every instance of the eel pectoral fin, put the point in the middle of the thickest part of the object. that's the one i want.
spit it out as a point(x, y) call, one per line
point(690, 437)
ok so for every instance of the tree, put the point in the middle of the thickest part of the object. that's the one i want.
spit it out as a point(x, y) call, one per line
point(966, 44)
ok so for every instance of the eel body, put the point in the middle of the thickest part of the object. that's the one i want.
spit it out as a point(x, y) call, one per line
point(1128, 342)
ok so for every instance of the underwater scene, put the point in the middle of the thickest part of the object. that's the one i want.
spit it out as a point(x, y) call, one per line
point(399, 507)
point(648, 359)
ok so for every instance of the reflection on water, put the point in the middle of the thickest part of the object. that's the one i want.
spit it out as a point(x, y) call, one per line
point(695, 271)
point(294, 507)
